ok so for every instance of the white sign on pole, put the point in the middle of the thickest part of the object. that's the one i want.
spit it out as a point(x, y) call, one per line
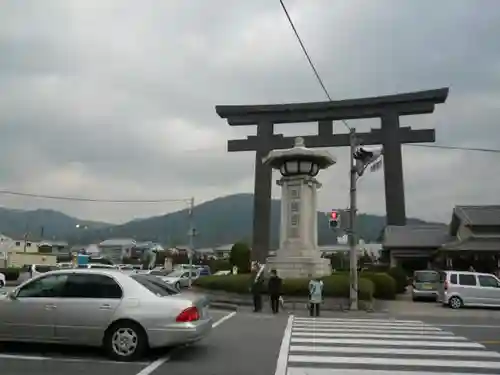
point(343, 240)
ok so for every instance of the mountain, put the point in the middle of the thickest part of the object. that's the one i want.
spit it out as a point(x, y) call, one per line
point(48, 224)
point(221, 221)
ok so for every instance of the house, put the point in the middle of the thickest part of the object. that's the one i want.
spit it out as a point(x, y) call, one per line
point(116, 249)
point(474, 231)
point(414, 242)
point(53, 247)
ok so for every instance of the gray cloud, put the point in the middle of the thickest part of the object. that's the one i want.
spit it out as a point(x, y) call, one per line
point(116, 98)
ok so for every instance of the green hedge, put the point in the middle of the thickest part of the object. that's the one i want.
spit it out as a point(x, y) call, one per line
point(335, 285)
point(401, 278)
point(384, 284)
point(11, 273)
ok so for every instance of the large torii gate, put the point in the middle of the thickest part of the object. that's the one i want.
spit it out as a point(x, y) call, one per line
point(390, 135)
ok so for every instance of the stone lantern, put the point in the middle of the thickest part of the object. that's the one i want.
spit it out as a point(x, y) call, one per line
point(298, 254)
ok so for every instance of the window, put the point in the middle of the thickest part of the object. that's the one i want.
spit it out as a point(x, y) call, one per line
point(453, 278)
point(155, 285)
point(82, 285)
point(159, 273)
point(425, 276)
point(488, 281)
point(467, 280)
point(295, 220)
point(18, 243)
point(46, 287)
point(28, 244)
point(294, 206)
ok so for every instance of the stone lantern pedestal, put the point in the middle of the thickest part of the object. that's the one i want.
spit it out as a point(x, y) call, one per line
point(298, 254)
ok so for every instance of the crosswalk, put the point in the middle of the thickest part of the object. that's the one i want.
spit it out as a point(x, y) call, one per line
point(342, 346)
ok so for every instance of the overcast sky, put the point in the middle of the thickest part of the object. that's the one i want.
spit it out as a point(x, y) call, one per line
point(115, 99)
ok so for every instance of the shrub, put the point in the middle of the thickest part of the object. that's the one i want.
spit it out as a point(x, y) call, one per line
point(335, 286)
point(385, 285)
point(240, 257)
point(11, 273)
point(399, 275)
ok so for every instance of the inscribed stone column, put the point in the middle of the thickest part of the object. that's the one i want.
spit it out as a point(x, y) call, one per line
point(298, 255)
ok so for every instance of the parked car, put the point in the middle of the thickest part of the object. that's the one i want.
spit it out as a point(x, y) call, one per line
point(180, 278)
point(40, 269)
point(204, 270)
point(126, 268)
point(125, 314)
point(425, 284)
point(161, 272)
point(460, 288)
point(222, 273)
point(2, 280)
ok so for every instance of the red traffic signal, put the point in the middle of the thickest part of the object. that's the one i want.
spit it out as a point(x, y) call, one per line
point(334, 215)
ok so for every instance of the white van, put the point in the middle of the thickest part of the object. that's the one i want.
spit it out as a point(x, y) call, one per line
point(460, 288)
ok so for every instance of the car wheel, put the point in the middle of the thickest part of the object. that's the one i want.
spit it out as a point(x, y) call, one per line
point(455, 302)
point(178, 285)
point(125, 341)
point(1, 284)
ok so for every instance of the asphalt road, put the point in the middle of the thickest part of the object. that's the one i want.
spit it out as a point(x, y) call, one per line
point(339, 343)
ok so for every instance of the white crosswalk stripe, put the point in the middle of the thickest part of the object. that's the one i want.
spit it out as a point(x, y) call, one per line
point(318, 346)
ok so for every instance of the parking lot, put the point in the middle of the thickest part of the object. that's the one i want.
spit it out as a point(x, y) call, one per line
point(21, 359)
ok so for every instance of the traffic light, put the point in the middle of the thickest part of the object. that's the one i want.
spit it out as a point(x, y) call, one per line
point(334, 221)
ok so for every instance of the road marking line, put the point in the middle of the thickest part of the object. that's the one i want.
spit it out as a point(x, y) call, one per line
point(363, 324)
point(440, 344)
point(315, 333)
point(372, 330)
point(468, 326)
point(223, 319)
point(364, 328)
point(282, 363)
point(160, 361)
point(491, 342)
point(393, 361)
point(387, 321)
point(330, 371)
point(62, 359)
point(398, 351)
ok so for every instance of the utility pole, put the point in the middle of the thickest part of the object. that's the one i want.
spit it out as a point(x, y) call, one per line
point(191, 234)
point(353, 256)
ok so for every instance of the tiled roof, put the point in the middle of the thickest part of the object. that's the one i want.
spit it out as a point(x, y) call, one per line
point(415, 236)
point(479, 215)
point(474, 244)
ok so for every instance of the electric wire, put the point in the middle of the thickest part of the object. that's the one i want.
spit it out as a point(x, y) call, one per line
point(308, 56)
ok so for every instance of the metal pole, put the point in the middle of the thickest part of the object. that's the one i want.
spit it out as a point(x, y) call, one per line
point(191, 239)
point(353, 256)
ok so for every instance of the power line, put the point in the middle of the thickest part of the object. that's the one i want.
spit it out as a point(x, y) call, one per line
point(81, 199)
point(477, 149)
point(306, 53)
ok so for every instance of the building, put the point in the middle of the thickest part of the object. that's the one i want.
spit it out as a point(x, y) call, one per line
point(116, 249)
point(473, 232)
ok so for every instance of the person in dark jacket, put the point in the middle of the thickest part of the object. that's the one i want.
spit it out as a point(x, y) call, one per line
point(256, 290)
point(274, 289)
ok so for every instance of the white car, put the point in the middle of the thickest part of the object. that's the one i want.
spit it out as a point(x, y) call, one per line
point(2, 280)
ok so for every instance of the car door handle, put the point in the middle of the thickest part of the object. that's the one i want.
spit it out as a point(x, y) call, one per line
point(50, 307)
point(105, 307)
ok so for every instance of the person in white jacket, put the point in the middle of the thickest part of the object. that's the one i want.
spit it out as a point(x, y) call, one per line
point(315, 295)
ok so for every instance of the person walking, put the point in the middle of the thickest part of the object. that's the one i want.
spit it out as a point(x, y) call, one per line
point(256, 289)
point(274, 289)
point(315, 295)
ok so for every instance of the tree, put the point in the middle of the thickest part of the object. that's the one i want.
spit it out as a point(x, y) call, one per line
point(240, 257)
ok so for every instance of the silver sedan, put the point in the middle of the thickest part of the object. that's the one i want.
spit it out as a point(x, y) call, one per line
point(125, 314)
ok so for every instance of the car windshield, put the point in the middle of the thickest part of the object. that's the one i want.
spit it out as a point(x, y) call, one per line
point(426, 276)
point(44, 268)
point(155, 285)
point(177, 273)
